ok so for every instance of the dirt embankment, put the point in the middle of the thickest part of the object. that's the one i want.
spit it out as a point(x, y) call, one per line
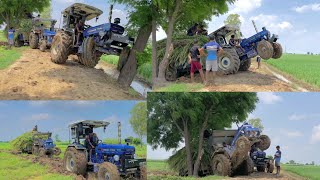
point(35, 77)
point(254, 80)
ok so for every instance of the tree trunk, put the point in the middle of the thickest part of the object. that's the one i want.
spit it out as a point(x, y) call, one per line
point(186, 134)
point(129, 70)
point(200, 150)
point(154, 52)
point(165, 61)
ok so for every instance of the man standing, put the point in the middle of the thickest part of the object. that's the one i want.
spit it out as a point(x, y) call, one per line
point(11, 32)
point(258, 61)
point(79, 30)
point(213, 49)
point(194, 60)
point(277, 158)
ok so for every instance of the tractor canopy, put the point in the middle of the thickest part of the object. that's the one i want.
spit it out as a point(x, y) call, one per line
point(225, 30)
point(90, 123)
point(83, 10)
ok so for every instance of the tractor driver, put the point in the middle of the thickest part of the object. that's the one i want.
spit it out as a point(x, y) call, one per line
point(79, 30)
point(233, 41)
point(88, 144)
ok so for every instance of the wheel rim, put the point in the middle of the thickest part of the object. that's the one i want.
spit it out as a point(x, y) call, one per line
point(219, 167)
point(225, 63)
point(70, 164)
point(56, 46)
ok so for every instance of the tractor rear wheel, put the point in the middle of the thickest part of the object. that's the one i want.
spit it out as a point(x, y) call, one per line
point(221, 165)
point(60, 48)
point(33, 40)
point(143, 172)
point(246, 168)
point(90, 57)
point(270, 166)
point(243, 145)
point(265, 49)
point(42, 152)
point(245, 65)
point(277, 50)
point(108, 171)
point(75, 161)
point(264, 143)
point(123, 58)
point(35, 150)
point(171, 72)
point(229, 62)
point(43, 45)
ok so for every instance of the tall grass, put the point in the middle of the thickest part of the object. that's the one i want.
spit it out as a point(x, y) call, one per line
point(2, 36)
point(310, 172)
point(302, 67)
point(8, 57)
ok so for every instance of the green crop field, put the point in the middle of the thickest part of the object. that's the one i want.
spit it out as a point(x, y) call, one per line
point(301, 67)
point(308, 171)
point(7, 57)
point(2, 37)
point(158, 169)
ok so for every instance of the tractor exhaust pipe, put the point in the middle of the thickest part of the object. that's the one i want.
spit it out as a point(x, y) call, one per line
point(254, 25)
point(119, 132)
point(110, 13)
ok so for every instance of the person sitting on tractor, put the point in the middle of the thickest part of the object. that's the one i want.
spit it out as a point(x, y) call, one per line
point(232, 41)
point(193, 30)
point(117, 21)
point(88, 144)
point(79, 30)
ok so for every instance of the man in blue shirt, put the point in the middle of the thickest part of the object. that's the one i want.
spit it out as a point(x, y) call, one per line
point(214, 50)
point(11, 32)
point(277, 158)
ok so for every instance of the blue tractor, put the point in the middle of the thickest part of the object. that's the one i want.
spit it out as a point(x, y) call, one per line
point(42, 145)
point(89, 45)
point(238, 58)
point(41, 37)
point(107, 161)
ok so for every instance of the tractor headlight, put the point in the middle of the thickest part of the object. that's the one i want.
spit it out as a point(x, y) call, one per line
point(116, 158)
point(134, 156)
point(102, 33)
point(254, 157)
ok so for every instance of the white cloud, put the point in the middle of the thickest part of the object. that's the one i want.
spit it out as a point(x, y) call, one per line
point(307, 8)
point(269, 98)
point(83, 103)
point(293, 134)
point(272, 23)
point(38, 103)
point(245, 6)
point(300, 117)
point(315, 137)
point(39, 117)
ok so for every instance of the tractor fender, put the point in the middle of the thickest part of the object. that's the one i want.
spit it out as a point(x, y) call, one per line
point(77, 146)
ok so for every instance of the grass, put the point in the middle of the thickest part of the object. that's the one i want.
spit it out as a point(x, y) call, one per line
point(161, 168)
point(15, 168)
point(8, 57)
point(308, 171)
point(302, 67)
point(2, 37)
point(182, 87)
point(144, 71)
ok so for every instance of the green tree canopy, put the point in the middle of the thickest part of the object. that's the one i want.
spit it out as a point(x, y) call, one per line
point(176, 118)
point(233, 19)
point(257, 122)
point(138, 119)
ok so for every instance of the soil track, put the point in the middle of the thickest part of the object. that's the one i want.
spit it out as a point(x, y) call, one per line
point(35, 77)
point(266, 176)
point(254, 80)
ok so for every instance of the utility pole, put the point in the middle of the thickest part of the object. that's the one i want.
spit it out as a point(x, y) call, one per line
point(110, 13)
point(119, 132)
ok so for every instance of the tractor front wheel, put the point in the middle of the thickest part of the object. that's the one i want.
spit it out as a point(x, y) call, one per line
point(42, 152)
point(261, 168)
point(108, 171)
point(265, 49)
point(60, 47)
point(56, 151)
point(35, 150)
point(221, 165)
point(43, 45)
point(264, 143)
point(277, 50)
point(245, 65)
point(90, 57)
point(143, 172)
point(270, 166)
point(75, 161)
point(229, 62)
point(33, 40)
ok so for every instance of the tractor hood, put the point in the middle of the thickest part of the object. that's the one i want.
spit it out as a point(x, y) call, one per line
point(104, 28)
point(259, 154)
point(49, 33)
point(116, 148)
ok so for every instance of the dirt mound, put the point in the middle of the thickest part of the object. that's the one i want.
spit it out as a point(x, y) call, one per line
point(35, 77)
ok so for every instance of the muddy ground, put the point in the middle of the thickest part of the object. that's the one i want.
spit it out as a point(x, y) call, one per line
point(35, 77)
point(254, 80)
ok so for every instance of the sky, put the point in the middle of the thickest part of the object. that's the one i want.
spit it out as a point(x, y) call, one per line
point(18, 117)
point(295, 21)
point(291, 120)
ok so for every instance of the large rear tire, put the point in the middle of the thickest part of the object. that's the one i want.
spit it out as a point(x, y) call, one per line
point(171, 72)
point(90, 57)
point(143, 172)
point(245, 65)
point(75, 161)
point(243, 145)
point(264, 143)
point(33, 40)
point(277, 50)
point(60, 47)
point(221, 165)
point(265, 49)
point(108, 171)
point(43, 45)
point(246, 168)
point(229, 62)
